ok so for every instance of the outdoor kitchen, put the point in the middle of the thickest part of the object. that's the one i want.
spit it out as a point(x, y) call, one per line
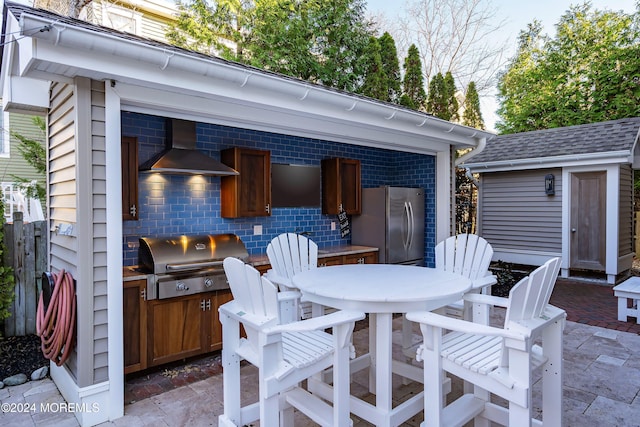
point(184, 227)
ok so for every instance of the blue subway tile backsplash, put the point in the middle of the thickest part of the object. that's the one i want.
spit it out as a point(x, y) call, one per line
point(180, 204)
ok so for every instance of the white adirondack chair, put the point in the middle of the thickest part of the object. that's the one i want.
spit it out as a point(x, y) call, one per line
point(465, 254)
point(289, 254)
point(285, 355)
point(498, 361)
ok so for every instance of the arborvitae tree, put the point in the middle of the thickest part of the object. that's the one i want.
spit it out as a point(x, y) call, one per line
point(391, 67)
point(450, 97)
point(472, 115)
point(374, 81)
point(437, 101)
point(413, 95)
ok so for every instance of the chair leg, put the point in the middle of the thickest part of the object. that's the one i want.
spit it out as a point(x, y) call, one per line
point(552, 375)
point(341, 376)
point(434, 397)
point(231, 370)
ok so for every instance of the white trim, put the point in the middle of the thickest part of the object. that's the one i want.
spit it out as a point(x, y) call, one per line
point(570, 160)
point(133, 61)
point(91, 403)
point(115, 315)
point(524, 257)
point(611, 211)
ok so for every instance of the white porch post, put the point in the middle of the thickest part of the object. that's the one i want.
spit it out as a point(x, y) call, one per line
point(114, 251)
point(444, 195)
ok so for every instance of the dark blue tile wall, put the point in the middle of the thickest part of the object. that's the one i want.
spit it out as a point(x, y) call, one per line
point(176, 204)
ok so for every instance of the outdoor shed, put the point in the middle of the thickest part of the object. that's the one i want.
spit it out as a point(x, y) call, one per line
point(561, 192)
point(97, 87)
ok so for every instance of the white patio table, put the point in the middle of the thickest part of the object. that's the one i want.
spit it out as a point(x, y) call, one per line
point(381, 290)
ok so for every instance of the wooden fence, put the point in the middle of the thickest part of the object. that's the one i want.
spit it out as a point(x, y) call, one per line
point(27, 254)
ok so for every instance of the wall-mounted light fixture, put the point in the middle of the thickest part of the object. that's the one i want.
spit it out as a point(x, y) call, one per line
point(550, 184)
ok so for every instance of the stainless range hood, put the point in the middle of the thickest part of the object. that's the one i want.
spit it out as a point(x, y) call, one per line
point(180, 155)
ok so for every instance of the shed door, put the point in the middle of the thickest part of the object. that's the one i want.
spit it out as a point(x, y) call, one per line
point(588, 220)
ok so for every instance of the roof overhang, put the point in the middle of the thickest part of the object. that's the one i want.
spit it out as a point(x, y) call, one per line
point(152, 78)
point(588, 159)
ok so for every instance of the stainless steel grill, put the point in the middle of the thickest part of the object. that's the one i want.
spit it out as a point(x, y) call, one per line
point(185, 265)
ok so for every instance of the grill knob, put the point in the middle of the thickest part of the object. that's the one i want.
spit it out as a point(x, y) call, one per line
point(180, 286)
point(208, 282)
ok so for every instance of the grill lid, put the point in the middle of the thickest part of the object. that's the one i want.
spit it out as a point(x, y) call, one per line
point(174, 254)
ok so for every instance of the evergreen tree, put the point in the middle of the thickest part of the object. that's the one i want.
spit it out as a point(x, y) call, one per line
point(587, 73)
point(413, 95)
point(323, 41)
point(472, 116)
point(452, 105)
point(375, 82)
point(391, 67)
point(437, 101)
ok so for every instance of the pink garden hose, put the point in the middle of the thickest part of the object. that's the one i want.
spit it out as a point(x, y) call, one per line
point(56, 327)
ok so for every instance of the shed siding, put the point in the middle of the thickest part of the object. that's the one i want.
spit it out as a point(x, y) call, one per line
point(625, 239)
point(99, 226)
point(515, 213)
point(62, 186)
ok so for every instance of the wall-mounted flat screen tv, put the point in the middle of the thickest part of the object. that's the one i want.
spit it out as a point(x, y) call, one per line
point(295, 186)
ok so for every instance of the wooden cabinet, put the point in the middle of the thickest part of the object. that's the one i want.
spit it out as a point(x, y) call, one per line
point(184, 326)
point(135, 325)
point(215, 327)
point(363, 258)
point(176, 328)
point(129, 157)
point(370, 257)
point(341, 186)
point(247, 194)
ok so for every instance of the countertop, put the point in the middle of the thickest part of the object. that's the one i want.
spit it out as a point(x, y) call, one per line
point(130, 273)
point(331, 251)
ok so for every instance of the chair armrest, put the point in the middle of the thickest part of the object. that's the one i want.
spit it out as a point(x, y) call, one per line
point(289, 296)
point(320, 322)
point(276, 278)
point(445, 322)
point(485, 281)
point(235, 311)
point(486, 299)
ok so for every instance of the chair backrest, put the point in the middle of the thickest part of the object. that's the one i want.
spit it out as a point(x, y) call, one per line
point(528, 298)
point(255, 294)
point(465, 254)
point(291, 253)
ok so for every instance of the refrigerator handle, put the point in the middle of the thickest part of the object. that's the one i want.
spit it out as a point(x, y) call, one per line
point(411, 224)
point(406, 239)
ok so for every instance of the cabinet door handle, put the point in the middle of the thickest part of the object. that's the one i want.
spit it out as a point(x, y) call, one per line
point(133, 210)
point(203, 305)
point(209, 304)
point(267, 208)
point(143, 294)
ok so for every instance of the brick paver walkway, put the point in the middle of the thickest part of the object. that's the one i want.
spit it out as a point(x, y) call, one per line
point(591, 304)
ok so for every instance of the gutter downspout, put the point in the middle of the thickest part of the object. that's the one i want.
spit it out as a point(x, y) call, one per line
point(482, 143)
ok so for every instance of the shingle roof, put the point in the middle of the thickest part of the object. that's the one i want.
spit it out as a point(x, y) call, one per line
point(602, 137)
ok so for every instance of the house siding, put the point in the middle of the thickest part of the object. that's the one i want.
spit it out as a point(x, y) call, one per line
point(625, 239)
point(14, 163)
point(516, 214)
point(75, 170)
point(98, 230)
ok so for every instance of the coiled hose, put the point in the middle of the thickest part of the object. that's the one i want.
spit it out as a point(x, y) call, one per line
point(56, 326)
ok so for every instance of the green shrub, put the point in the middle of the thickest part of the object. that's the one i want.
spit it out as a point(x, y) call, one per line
point(6, 274)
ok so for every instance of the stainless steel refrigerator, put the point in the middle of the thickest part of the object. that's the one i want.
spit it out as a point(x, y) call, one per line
point(392, 220)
